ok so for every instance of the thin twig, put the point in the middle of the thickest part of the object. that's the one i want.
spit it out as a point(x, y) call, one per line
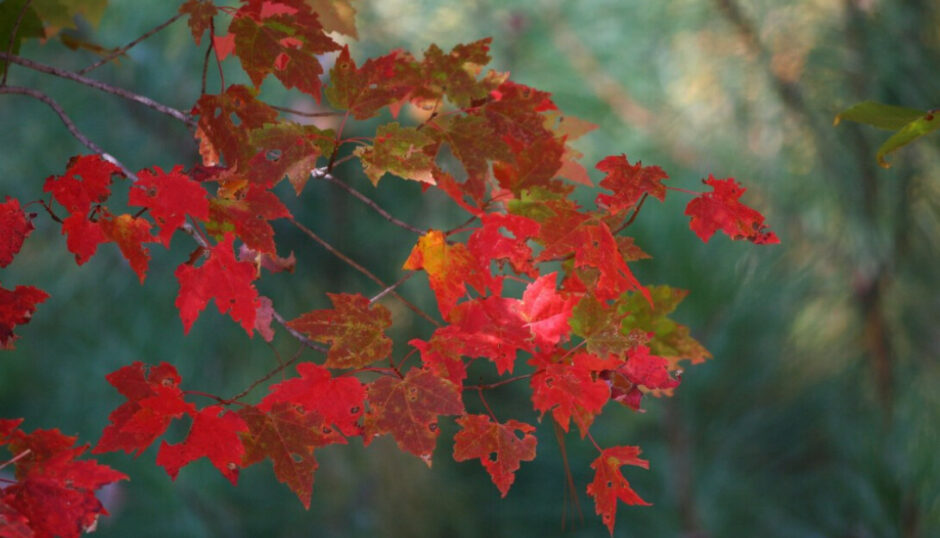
point(130, 45)
point(16, 27)
point(283, 366)
point(391, 288)
point(368, 274)
point(120, 92)
point(321, 173)
point(205, 67)
point(38, 95)
point(498, 383)
point(298, 335)
point(18, 457)
point(633, 216)
point(296, 112)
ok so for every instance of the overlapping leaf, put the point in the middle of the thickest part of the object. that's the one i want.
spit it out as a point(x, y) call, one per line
point(380, 82)
point(222, 278)
point(339, 401)
point(247, 215)
point(169, 198)
point(16, 308)
point(403, 151)
point(489, 327)
point(409, 408)
point(629, 182)
point(354, 328)
point(214, 435)
point(223, 136)
point(569, 388)
point(14, 228)
point(287, 149)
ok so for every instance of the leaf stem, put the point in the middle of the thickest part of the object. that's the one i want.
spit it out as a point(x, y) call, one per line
point(633, 216)
point(16, 458)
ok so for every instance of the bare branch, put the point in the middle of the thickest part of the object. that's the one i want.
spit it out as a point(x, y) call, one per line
point(120, 92)
point(392, 288)
point(95, 148)
point(296, 112)
point(130, 45)
point(298, 335)
point(368, 274)
point(321, 173)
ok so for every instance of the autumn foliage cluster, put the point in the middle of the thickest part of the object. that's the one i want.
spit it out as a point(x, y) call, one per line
point(583, 334)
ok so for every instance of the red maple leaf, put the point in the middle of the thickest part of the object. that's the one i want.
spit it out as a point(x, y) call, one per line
point(408, 409)
point(443, 355)
point(449, 269)
point(14, 228)
point(488, 243)
point(248, 216)
point(489, 327)
point(222, 278)
point(287, 149)
point(287, 436)
point(340, 400)
point(380, 82)
point(403, 151)
point(629, 182)
point(721, 210)
point(545, 311)
point(169, 197)
point(609, 485)
point(86, 181)
point(214, 435)
point(129, 233)
point(154, 399)
point(570, 389)
point(16, 308)
point(200, 16)
point(224, 123)
point(454, 74)
point(474, 142)
point(54, 495)
point(498, 446)
point(354, 327)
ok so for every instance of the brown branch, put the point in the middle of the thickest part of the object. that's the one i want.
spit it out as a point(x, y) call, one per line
point(38, 95)
point(130, 45)
point(368, 274)
point(296, 112)
point(392, 288)
point(16, 458)
point(633, 216)
point(120, 92)
point(321, 173)
point(299, 335)
point(16, 27)
point(267, 376)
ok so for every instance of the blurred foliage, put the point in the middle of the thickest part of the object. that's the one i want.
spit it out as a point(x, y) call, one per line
point(818, 416)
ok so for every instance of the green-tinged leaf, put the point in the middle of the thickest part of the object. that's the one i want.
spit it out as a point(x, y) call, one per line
point(912, 131)
point(354, 328)
point(879, 115)
point(403, 151)
point(29, 26)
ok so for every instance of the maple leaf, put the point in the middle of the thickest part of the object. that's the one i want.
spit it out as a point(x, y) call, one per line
point(600, 327)
point(442, 355)
point(403, 151)
point(609, 485)
point(200, 16)
point(545, 311)
point(498, 446)
point(380, 82)
point(515, 111)
point(16, 308)
point(282, 38)
point(15, 227)
point(169, 197)
point(263, 318)
point(666, 337)
point(474, 142)
point(487, 243)
point(570, 390)
point(154, 399)
point(449, 269)
point(214, 435)
point(218, 130)
point(129, 233)
point(54, 494)
point(287, 437)
point(629, 182)
point(534, 164)
point(222, 278)
point(409, 408)
point(339, 401)
point(354, 328)
point(248, 217)
point(287, 149)
point(640, 369)
point(86, 181)
point(82, 236)
point(336, 16)
point(489, 327)
point(721, 210)
point(454, 74)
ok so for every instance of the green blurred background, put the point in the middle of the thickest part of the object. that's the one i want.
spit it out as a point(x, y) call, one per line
point(818, 416)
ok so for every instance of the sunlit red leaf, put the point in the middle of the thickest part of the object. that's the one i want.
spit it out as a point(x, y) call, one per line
point(498, 446)
point(409, 408)
point(214, 435)
point(222, 278)
point(609, 485)
point(129, 233)
point(628, 182)
point(449, 269)
point(489, 327)
point(442, 355)
point(339, 401)
point(488, 243)
point(154, 399)
point(545, 311)
point(169, 197)
point(86, 181)
point(569, 389)
point(14, 228)
point(16, 308)
point(721, 210)
point(354, 328)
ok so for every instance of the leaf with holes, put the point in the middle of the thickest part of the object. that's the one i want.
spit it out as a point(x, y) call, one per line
point(214, 435)
point(721, 210)
point(339, 400)
point(403, 151)
point(354, 328)
point(628, 182)
point(169, 198)
point(16, 308)
point(498, 446)
point(609, 485)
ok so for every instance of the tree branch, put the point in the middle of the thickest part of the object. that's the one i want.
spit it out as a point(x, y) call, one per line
point(321, 173)
point(130, 45)
point(120, 92)
point(16, 27)
point(38, 95)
